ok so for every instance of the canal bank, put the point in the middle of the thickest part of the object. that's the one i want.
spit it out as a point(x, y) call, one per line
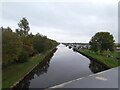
point(96, 60)
point(110, 62)
point(65, 65)
point(19, 71)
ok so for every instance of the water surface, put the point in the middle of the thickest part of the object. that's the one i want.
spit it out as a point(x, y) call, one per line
point(65, 65)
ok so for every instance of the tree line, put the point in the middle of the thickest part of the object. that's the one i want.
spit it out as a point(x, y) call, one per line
point(102, 41)
point(18, 46)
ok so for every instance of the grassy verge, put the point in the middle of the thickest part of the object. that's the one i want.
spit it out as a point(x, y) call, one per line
point(109, 61)
point(14, 72)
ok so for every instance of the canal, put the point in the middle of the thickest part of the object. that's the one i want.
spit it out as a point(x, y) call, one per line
point(63, 66)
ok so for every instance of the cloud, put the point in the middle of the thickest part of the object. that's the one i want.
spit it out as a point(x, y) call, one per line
point(64, 21)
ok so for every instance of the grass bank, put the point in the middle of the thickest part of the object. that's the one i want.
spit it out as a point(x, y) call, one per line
point(109, 61)
point(14, 72)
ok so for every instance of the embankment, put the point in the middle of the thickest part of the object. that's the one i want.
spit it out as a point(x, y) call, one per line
point(94, 59)
point(15, 73)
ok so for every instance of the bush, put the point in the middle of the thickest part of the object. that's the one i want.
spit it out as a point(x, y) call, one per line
point(23, 57)
point(20, 45)
point(11, 46)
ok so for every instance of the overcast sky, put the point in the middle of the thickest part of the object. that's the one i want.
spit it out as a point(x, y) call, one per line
point(64, 21)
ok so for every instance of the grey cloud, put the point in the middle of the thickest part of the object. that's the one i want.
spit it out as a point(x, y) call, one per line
point(68, 19)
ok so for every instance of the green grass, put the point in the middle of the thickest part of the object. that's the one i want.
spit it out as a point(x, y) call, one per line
point(114, 54)
point(109, 61)
point(14, 72)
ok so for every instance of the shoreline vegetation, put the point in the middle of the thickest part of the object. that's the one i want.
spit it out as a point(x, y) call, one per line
point(101, 48)
point(110, 62)
point(20, 45)
point(14, 73)
point(22, 51)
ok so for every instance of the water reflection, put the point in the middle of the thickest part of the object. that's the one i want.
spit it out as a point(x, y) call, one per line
point(39, 70)
point(96, 67)
point(64, 66)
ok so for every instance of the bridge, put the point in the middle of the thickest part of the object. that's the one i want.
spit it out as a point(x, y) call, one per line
point(105, 79)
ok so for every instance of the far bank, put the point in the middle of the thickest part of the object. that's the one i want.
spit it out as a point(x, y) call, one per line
point(109, 62)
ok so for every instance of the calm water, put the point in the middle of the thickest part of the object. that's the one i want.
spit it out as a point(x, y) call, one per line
point(65, 65)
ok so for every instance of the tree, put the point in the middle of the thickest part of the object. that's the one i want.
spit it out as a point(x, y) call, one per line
point(23, 57)
point(28, 44)
point(11, 45)
point(42, 43)
point(20, 45)
point(23, 27)
point(102, 41)
point(26, 39)
point(38, 43)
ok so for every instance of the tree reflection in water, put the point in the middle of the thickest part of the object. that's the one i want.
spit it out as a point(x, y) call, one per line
point(39, 70)
point(43, 67)
point(95, 67)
